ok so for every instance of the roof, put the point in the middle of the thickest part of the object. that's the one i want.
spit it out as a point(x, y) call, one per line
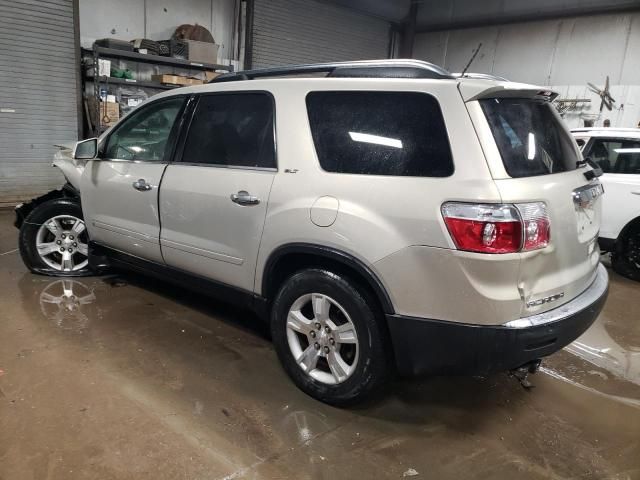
point(388, 68)
point(607, 132)
point(472, 86)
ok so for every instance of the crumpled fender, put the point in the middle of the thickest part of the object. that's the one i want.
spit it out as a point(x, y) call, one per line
point(71, 168)
point(24, 209)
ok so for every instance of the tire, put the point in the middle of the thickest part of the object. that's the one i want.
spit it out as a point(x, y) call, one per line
point(625, 260)
point(64, 216)
point(360, 368)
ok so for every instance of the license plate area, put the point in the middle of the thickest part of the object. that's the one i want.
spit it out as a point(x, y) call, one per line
point(586, 202)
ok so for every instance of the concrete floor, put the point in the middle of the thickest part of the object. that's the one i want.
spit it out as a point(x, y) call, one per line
point(138, 379)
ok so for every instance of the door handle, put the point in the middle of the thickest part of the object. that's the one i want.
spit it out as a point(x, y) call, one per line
point(141, 185)
point(244, 198)
point(636, 193)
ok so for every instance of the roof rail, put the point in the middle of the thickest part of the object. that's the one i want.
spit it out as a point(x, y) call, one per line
point(363, 68)
point(480, 76)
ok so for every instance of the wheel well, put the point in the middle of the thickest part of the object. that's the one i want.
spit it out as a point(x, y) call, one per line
point(22, 212)
point(631, 227)
point(283, 264)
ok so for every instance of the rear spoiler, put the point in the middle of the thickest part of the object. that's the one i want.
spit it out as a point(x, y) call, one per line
point(471, 89)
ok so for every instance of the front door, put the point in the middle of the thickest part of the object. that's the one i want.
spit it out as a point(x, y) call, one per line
point(214, 198)
point(120, 189)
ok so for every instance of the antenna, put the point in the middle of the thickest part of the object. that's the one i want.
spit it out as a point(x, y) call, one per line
point(472, 59)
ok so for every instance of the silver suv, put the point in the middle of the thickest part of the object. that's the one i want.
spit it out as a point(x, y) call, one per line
point(383, 216)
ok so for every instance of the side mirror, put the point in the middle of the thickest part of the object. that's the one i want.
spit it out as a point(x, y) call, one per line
point(86, 149)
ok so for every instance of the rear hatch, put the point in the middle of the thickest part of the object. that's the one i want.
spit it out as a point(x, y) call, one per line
point(533, 158)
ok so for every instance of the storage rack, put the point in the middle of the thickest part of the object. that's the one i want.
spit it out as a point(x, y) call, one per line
point(98, 52)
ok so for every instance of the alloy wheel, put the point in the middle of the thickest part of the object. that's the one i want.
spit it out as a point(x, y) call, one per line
point(62, 243)
point(322, 338)
point(633, 250)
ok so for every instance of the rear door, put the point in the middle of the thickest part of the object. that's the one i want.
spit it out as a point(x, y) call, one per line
point(619, 159)
point(533, 158)
point(214, 198)
point(120, 190)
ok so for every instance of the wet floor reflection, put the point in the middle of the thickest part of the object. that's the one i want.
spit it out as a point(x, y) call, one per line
point(65, 302)
point(597, 347)
point(159, 371)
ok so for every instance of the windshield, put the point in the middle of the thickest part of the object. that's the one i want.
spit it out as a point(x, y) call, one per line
point(529, 136)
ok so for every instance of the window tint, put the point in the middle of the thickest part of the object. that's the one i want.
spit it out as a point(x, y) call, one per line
point(616, 156)
point(232, 129)
point(145, 134)
point(380, 133)
point(529, 136)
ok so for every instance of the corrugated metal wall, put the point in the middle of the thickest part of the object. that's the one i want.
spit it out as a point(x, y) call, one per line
point(38, 103)
point(564, 54)
point(307, 31)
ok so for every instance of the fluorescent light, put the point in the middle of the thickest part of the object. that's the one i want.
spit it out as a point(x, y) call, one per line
point(626, 150)
point(531, 148)
point(366, 138)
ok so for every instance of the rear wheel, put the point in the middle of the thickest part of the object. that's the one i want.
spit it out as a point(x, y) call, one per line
point(625, 260)
point(54, 240)
point(329, 337)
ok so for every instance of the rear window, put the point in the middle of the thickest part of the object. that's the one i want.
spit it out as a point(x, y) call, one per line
point(380, 133)
point(529, 136)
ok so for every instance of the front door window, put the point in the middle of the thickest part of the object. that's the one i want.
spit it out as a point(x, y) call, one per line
point(144, 136)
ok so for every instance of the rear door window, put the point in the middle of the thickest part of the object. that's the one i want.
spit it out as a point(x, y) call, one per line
point(379, 133)
point(530, 137)
point(232, 130)
point(616, 155)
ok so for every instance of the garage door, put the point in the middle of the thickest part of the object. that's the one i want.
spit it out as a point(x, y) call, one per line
point(38, 103)
point(308, 31)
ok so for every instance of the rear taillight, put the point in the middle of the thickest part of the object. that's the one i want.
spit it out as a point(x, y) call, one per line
point(497, 228)
point(536, 228)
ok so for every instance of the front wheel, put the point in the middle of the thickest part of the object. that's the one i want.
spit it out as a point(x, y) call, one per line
point(329, 337)
point(53, 239)
point(625, 260)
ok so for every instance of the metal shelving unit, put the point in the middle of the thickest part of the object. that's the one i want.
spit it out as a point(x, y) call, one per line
point(157, 60)
point(97, 52)
point(138, 83)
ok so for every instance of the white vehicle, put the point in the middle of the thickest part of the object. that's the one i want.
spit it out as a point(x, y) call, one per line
point(384, 217)
point(617, 152)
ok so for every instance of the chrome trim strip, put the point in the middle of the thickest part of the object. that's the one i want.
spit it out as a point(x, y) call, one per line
point(124, 232)
point(123, 160)
point(581, 302)
point(213, 165)
point(182, 247)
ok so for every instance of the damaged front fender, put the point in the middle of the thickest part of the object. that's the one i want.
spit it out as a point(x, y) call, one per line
point(71, 168)
point(24, 209)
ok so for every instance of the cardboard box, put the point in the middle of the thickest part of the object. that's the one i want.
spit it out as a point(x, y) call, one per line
point(176, 80)
point(208, 76)
point(202, 52)
point(109, 113)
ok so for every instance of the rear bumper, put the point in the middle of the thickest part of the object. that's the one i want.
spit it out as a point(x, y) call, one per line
point(438, 347)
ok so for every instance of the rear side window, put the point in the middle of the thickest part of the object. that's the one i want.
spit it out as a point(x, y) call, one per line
point(380, 133)
point(232, 129)
point(616, 155)
point(529, 136)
